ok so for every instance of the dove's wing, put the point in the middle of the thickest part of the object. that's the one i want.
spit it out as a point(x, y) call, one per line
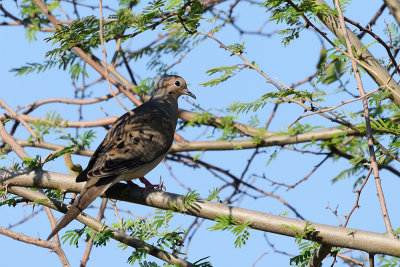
point(134, 145)
point(131, 144)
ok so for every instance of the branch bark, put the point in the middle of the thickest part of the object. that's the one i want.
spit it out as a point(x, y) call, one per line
point(97, 226)
point(89, 245)
point(394, 7)
point(380, 75)
point(266, 141)
point(370, 138)
point(373, 243)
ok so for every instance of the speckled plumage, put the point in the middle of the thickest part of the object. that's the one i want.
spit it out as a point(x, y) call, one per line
point(136, 143)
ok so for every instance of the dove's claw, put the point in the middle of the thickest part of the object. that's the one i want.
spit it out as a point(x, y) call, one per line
point(148, 185)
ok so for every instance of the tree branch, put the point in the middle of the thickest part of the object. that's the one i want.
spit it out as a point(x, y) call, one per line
point(379, 74)
point(266, 141)
point(97, 226)
point(370, 138)
point(329, 235)
point(394, 7)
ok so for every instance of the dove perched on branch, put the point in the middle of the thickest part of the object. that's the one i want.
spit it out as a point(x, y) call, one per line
point(136, 143)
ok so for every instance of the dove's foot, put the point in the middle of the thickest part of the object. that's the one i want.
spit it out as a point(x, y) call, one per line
point(148, 185)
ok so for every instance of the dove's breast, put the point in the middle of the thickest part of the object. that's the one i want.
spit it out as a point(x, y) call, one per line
point(142, 170)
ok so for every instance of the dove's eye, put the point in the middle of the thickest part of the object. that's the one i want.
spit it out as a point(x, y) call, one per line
point(177, 83)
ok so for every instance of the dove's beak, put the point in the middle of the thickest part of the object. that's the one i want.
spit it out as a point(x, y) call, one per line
point(187, 92)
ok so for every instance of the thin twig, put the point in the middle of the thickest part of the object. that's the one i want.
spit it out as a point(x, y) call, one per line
point(370, 138)
point(238, 181)
point(376, 37)
point(348, 259)
point(91, 222)
point(259, 258)
point(3, 104)
point(271, 116)
point(334, 107)
point(89, 245)
point(113, 204)
point(103, 49)
point(358, 197)
point(90, 59)
point(57, 245)
point(12, 143)
point(371, 260)
point(382, 83)
point(373, 20)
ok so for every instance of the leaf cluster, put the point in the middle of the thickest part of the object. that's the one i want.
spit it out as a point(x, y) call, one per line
point(82, 33)
point(156, 230)
point(307, 248)
point(51, 123)
point(292, 15)
point(240, 230)
point(83, 140)
point(100, 239)
point(32, 15)
point(226, 124)
point(187, 201)
point(68, 59)
point(272, 97)
point(391, 262)
point(225, 72)
point(187, 19)
point(299, 128)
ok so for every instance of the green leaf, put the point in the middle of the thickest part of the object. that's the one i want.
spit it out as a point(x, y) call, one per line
point(225, 73)
point(392, 262)
point(32, 163)
point(334, 72)
point(307, 248)
point(196, 157)
point(237, 48)
point(73, 236)
point(258, 138)
point(213, 195)
point(101, 239)
point(240, 230)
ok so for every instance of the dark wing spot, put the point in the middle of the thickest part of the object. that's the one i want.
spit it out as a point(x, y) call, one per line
point(136, 140)
point(130, 135)
point(126, 151)
point(119, 138)
point(121, 145)
point(151, 137)
point(141, 131)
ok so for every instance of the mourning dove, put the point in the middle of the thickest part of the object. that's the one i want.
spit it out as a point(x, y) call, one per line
point(136, 143)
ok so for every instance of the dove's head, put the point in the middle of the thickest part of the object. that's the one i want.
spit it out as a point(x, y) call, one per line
point(171, 86)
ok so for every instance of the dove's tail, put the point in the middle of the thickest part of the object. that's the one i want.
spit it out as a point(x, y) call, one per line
point(90, 192)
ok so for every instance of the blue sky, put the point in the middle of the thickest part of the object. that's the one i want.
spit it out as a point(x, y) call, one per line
point(289, 64)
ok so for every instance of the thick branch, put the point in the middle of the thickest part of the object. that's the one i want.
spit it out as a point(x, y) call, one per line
point(98, 227)
point(394, 7)
point(7, 138)
point(267, 141)
point(369, 242)
point(185, 114)
point(370, 137)
point(379, 74)
point(87, 58)
point(64, 123)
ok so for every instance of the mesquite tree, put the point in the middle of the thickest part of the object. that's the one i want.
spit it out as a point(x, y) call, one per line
point(294, 133)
